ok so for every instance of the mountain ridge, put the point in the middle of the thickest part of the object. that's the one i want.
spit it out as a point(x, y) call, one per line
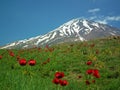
point(73, 30)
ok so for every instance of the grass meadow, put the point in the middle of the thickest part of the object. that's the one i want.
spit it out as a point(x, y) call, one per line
point(73, 59)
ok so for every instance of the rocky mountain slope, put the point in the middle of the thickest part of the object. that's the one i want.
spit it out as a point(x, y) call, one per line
point(74, 30)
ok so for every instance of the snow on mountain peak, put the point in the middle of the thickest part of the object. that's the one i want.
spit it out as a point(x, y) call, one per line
point(74, 30)
point(85, 23)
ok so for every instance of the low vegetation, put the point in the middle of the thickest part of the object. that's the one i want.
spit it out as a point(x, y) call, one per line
point(92, 65)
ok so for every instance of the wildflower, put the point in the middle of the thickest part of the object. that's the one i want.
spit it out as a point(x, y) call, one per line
point(22, 62)
point(63, 82)
point(11, 54)
point(89, 62)
point(96, 73)
point(87, 82)
point(89, 71)
point(59, 75)
point(0, 56)
point(31, 62)
point(56, 81)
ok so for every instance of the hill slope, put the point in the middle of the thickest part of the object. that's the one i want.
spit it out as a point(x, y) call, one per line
point(71, 59)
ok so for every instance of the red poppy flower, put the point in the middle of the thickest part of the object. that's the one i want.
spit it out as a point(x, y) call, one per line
point(59, 74)
point(0, 56)
point(56, 81)
point(89, 62)
point(22, 62)
point(96, 73)
point(63, 82)
point(11, 54)
point(89, 71)
point(87, 82)
point(31, 62)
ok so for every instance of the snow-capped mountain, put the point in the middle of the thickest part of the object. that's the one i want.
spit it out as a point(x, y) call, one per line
point(74, 30)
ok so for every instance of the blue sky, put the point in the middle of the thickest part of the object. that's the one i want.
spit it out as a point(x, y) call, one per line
point(21, 19)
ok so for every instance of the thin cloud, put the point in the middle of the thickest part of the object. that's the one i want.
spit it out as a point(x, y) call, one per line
point(105, 19)
point(102, 21)
point(94, 10)
point(93, 17)
point(113, 18)
point(108, 19)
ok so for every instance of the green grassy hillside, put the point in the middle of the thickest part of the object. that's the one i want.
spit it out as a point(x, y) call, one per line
point(74, 60)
